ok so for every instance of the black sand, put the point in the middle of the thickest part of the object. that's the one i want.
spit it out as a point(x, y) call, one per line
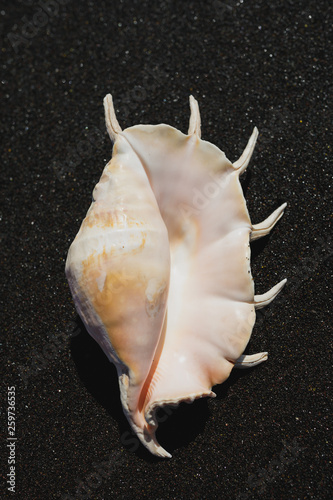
point(266, 435)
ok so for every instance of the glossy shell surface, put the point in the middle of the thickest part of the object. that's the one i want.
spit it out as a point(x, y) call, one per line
point(160, 268)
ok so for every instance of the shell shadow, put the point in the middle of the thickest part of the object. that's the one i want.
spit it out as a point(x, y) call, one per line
point(98, 375)
point(177, 427)
point(257, 246)
point(182, 425)
point(245, 180)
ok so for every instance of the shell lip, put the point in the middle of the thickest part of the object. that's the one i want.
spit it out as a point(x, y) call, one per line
point(148, 127)
point(150, 413)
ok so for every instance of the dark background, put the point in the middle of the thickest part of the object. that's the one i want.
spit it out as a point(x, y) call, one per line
point(266, 435)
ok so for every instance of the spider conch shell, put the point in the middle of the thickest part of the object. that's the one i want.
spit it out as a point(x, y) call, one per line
point(160, 268)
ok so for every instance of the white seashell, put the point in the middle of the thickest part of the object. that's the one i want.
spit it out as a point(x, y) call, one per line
point(160, 268)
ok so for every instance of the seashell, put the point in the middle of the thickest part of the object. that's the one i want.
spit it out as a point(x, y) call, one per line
point(160, 268)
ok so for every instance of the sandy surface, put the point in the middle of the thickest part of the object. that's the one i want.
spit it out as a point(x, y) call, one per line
point(266, 435)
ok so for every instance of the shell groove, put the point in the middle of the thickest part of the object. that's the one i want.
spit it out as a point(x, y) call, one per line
point(160, 268)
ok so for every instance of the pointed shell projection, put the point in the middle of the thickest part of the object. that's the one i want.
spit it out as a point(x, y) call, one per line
point(160, 268)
